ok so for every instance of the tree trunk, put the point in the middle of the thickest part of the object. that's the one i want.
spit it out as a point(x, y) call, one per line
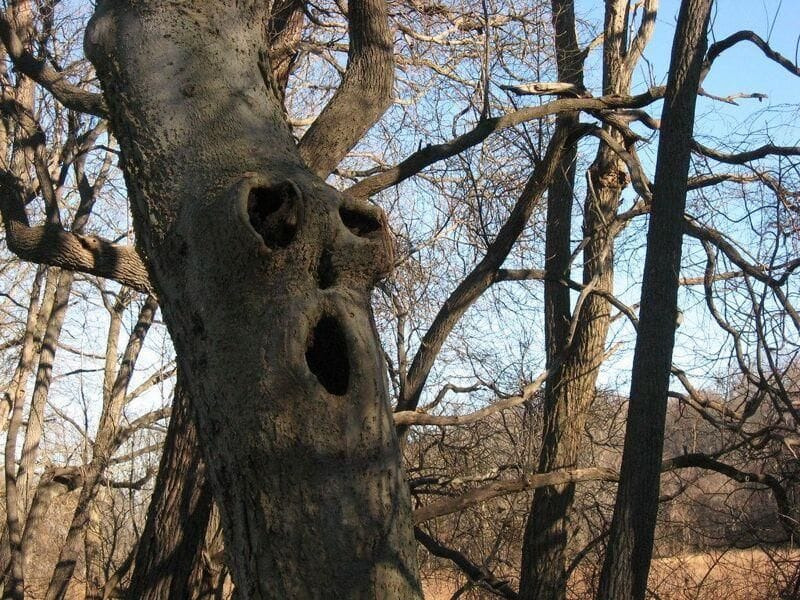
point(174, 535)
point(630, 545)
point(41, 389)
point(543, 560)
point(570, 386)
point(264, 274)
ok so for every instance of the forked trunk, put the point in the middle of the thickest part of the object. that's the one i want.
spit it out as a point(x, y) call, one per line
point(264, 274)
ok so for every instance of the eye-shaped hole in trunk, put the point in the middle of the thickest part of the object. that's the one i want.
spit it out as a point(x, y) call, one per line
point(360, 223)
point(273, 213)
point(327, 356)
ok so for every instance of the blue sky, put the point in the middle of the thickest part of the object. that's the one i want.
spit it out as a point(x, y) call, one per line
point(750, 123)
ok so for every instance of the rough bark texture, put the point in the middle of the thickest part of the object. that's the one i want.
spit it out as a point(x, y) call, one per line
point(543, 560)
point(630, 546)
point(571, 385)
point(364, 93)
point(264, 274)
point(174, 535)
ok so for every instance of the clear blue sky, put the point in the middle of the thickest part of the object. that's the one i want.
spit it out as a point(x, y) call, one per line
point(741, 69)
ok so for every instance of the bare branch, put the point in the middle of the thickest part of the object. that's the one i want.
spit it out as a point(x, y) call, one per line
point(285, 30)
point(712, 236)
point(703, 461)
point(69, 95)
point(434, 153)
point(545, 88)
point(364, 94)
point(142, 422)
point(476, 574)
point(745, 157)
point(412, 417)
point(52, 245)
point(746, 36)
point(643, 35)
point(484, 273)
point(495, 489)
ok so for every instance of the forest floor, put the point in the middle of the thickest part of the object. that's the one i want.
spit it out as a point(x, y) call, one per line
point(719, 575)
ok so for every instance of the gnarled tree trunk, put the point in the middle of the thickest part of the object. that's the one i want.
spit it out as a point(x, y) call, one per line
point(263, 273)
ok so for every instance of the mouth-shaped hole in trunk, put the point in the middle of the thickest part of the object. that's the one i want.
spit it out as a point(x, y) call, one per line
point(327, 357)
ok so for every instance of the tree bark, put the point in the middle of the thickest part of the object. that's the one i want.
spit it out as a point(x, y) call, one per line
point(263, 273)
point(570, 386)
point(543, 560)
point(630, 545)
point(174, 535)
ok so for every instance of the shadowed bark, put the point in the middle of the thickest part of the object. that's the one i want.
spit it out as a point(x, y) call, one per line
point(167, 559)
point(630, 544)
point(543, 561)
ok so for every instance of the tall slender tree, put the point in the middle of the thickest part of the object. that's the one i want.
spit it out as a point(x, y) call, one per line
point(630, 545)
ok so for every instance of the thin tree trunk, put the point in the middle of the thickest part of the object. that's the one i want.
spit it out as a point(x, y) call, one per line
point(27, 349)
point(14, 586)
point(22, 17)
point(174, 535)
point(543, 560)
point(101, 454)
point(92, 539)
point(570, 387)
point(41, 389)
point(94, 584)
point(630, 545)
point(15, 396)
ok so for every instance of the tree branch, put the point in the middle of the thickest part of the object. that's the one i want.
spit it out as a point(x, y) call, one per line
point(364, 94)
point(431, 154)
point(476, 574)
point(745, 157)
point(703, 461)
point(69, 95)
point(412, 417)
point(484, 273)
point(51, 245)
point(285, 30)
point(746, 36)
point(447, 506)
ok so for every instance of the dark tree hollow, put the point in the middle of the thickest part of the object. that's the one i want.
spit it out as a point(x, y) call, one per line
point(359, 223)
point(273, 215)
point(326, 273)
point(327, 357)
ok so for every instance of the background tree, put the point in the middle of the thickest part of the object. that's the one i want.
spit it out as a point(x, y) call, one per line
point(630, 546)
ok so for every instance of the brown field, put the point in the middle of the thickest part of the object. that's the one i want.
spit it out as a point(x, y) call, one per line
point(728, 575)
